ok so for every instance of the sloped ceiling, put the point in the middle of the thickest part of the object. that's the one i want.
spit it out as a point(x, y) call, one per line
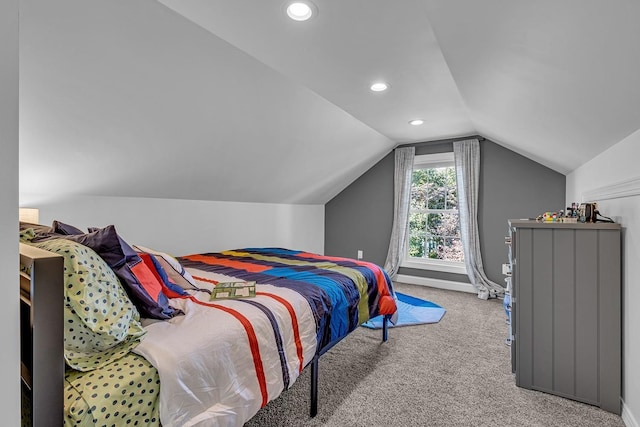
point(232, 101)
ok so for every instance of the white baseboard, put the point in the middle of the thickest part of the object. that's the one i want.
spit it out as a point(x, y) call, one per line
point(437, 283)
point(627, 417)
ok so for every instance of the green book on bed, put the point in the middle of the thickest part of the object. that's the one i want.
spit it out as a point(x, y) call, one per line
point(233, 290)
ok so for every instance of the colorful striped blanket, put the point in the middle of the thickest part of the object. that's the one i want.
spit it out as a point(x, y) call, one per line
point(223, 360)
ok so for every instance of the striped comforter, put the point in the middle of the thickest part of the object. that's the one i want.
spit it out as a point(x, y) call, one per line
point(222, 361)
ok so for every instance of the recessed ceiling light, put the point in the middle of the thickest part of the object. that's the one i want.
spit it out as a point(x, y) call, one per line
point(416, 122)
point(301, 10)
point(379, 87)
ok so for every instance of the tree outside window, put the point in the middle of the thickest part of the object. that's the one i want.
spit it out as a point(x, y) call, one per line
point(434, 228)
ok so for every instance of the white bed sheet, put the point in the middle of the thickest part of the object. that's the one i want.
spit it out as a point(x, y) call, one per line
point(207, 369)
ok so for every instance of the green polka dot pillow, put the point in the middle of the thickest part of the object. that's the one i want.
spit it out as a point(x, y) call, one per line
point(101, 324)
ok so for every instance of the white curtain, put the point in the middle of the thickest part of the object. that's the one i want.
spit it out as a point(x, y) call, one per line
point(467, 161)
point(401, 198)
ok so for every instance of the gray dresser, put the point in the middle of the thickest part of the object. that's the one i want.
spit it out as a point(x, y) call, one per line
point(566, 309)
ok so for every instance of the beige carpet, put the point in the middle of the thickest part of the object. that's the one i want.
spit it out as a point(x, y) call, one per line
point(453, 373)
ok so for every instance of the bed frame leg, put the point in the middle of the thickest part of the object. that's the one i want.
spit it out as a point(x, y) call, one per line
point(313, 410)
point(385, 328)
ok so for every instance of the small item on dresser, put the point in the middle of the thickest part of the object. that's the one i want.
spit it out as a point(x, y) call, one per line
point(587, 212)
point(550, 216)
point(572, 212)
point(233, 290)
point(561, 216)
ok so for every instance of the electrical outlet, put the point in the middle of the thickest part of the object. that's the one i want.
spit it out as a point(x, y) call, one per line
point(359, 254)
point(506, 269)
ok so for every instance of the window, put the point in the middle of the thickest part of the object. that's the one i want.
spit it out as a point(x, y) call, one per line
point(434, 228)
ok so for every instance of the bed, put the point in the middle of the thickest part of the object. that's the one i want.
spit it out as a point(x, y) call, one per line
point(149, 340)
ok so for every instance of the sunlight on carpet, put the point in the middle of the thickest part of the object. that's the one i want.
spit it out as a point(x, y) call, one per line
point(411, 311)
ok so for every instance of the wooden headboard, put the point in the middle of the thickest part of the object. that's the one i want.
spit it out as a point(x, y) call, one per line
point(41, 333)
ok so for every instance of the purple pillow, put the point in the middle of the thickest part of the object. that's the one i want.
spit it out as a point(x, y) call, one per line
point(66, 229)
point(124, 261)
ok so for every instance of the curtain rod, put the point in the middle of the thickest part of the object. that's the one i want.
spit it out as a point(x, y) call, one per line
point(441, 141)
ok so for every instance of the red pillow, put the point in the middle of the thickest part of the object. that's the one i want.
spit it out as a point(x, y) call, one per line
point(148, 280)
point(169, 289)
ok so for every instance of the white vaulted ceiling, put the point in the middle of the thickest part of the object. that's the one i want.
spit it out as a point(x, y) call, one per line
point(233, 101)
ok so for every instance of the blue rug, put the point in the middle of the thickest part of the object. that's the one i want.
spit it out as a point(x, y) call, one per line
point(411, 311)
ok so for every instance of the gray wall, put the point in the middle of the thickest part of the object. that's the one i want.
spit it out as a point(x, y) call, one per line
point(360, 217)
point(511, 186)
point(9, 317)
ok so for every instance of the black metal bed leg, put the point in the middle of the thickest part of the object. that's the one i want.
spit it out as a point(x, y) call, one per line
point(313, 407)
point(313, 410)
point(385, 327)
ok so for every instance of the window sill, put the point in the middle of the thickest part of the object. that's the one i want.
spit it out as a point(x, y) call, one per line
point(447, 267)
